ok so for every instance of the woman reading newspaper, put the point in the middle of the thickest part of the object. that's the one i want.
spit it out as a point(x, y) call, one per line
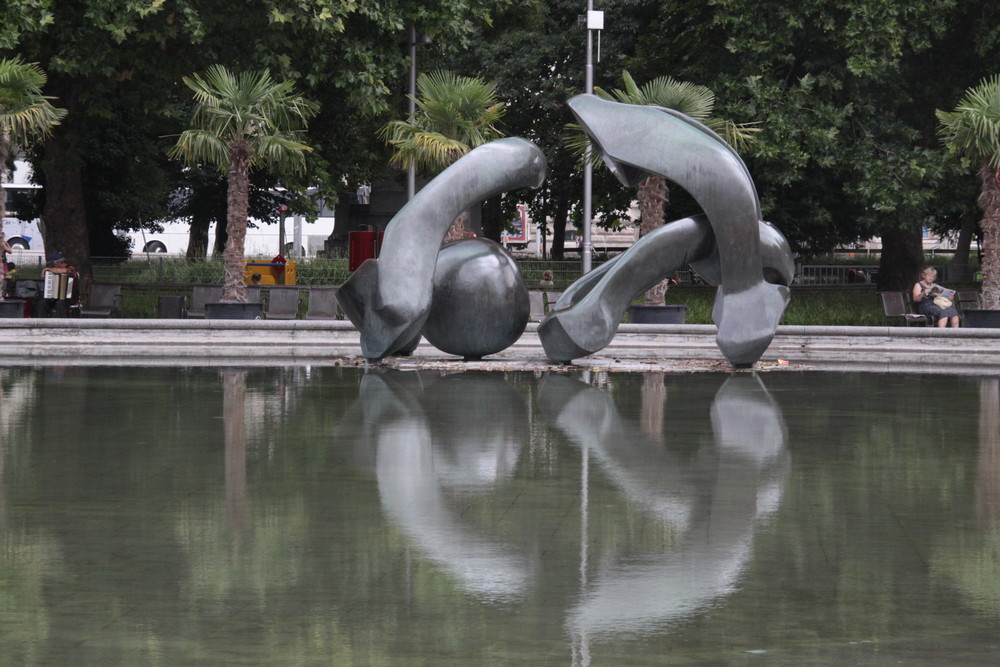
point(933, 300)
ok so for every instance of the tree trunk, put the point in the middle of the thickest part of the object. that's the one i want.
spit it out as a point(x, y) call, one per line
point(237, 210)
point(557, 250)
point(65, 215)
point(960, 261)
point(198, 238)
point(653, 195)
point(989, 202)
point(902, 258)
point(492, 219)
point(64, 218)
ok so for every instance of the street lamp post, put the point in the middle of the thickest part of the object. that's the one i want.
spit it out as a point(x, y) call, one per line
point(414, 41)
point(595, 21)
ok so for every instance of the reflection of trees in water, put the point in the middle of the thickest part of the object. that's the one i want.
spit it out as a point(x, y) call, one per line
point(28, 554)
point(234, 425)
point(972, 560)
point(988, 470)
point(654, 394)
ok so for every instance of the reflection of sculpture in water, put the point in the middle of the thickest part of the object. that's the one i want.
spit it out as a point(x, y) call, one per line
point(423, 451)
point(438, 441)
point(744, 475)
point(730, 246)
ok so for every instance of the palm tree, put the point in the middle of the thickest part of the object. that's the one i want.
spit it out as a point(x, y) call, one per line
point(242, 121)
point(25, 114)
point(453, 114)
point(972, 131)
point(692, 100)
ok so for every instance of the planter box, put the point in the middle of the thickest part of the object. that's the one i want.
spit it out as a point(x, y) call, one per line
point(234, 311)
point(981, 319)
point(669, 314)
point(14, 308)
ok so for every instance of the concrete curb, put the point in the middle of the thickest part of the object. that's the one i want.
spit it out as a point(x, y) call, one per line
point(635, 347)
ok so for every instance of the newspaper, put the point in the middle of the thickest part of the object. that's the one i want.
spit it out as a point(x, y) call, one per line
point(937, 290)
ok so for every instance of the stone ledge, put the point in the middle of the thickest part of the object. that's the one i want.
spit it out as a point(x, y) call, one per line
point(636, 347)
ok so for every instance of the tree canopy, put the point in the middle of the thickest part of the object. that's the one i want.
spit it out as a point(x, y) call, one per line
point(843, 92)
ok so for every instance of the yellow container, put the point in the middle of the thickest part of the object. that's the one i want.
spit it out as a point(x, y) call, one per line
point(271, 273)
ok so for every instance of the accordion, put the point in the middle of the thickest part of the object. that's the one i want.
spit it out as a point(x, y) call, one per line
point(57, 286)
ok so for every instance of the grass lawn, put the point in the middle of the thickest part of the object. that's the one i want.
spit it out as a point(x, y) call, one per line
point(844, 306)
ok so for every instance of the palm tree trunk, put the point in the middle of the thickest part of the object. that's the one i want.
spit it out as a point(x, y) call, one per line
point(989, 202)
point(653, 195)
point(237, 209)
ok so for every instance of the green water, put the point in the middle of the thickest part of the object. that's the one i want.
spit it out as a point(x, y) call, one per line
point(328, 517)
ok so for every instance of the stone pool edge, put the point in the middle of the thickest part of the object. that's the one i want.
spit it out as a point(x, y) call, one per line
point(636, 347)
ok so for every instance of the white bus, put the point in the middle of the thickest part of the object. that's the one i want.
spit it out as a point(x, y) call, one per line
point(21, 235)
point(301, 238)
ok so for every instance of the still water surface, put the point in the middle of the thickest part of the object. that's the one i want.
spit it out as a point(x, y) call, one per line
point(325, 516)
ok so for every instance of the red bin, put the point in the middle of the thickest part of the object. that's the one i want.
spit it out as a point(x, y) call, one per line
point(361, 246)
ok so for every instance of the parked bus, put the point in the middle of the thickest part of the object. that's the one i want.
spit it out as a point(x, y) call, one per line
point(301, 238)
point(20, 234)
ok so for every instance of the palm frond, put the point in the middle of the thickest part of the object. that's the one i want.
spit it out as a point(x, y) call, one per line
point(452, 115)
point(24, 112)
point(689, 98)
point(249, 106)
point(972, 130)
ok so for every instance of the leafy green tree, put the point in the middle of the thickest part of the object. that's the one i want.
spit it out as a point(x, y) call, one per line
point(534, 51)
point(115, 66)
point(972, 131)
point(453, 114)
point(243, 121)
point(25, 114)
point(845, 93)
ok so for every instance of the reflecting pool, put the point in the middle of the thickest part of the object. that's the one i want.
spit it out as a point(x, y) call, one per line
point(329, 516)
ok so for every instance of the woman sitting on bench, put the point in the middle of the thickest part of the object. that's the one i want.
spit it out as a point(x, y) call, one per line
point(926, 295)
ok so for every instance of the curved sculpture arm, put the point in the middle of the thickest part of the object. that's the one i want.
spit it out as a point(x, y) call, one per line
point(585, 320)
point(586, 317)
point(388, 299)
point(639, 140)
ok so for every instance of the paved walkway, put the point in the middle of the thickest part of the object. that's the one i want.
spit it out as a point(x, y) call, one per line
point(637, 347)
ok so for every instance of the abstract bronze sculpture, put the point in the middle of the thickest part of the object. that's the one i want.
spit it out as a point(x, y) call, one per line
point(480, 303)
point(389, 299)
point(469, 299)
point(636, 141)
point(588, 313)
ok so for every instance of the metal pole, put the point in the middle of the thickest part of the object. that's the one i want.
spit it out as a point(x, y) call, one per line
point(411, 169)
point(587, 250)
